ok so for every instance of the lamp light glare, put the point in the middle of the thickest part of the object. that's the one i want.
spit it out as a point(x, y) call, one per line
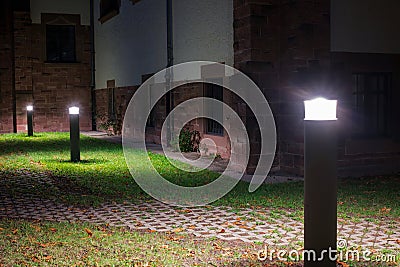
point(73, 110)
point(320, 109)
point(29, 108)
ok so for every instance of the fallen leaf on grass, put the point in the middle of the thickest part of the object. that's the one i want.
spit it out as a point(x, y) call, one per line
point(35, 259)
point(53, 230)
point(14, 231)
point(184, 211)
point(385, 210)
point(175, 238)
point(216, 246)
point(47, 258)
point(45, 245)
point(90, 233)
point(1, 229)
point(343, 264)
point(177, 230)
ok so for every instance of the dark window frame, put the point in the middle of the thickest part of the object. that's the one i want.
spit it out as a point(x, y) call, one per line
point(372, 93)
point(56, 41)
point(212, 127)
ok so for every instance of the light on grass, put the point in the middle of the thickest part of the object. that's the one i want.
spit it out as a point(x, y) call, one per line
point(320, 109)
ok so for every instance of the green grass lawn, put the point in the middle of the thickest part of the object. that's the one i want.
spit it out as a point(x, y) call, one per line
point(103, 176)
point(25, 243)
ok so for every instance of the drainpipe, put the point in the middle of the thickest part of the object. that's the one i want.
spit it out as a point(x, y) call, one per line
point(170, 54)
point(170, 43)
point(92, 67)
point(170, 61)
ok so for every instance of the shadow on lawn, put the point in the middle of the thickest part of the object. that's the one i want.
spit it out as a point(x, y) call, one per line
point(82, 161)
point(21, 143)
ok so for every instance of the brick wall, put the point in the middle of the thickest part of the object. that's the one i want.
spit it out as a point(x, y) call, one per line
point(106, 119)
point(122, 96)
point(284, 46)
point(50, 87)
point(373, 154)
point(6, 73)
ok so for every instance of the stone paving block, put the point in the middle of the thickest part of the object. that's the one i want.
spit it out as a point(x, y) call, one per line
point(246, 225)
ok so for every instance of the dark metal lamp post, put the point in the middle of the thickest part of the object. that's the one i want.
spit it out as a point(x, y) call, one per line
point(74, 133)
point(29, 114)
point(320, 182)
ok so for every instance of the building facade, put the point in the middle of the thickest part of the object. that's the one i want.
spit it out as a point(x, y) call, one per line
point(293, 50)
point(45, 62)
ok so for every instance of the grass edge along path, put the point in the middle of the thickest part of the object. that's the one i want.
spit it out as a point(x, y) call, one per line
point(102, 175)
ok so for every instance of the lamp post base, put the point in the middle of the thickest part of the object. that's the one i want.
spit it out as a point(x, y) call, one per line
point(320, 193)
point(74, 137)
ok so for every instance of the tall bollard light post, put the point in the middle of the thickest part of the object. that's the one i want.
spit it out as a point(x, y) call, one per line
point(29, 117)
point(74, 133)
point(320, 182)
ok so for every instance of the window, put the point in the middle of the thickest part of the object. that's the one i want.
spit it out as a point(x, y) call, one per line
point(60, 43)
point(212, 126)
point(109, 9)
point(371, 97)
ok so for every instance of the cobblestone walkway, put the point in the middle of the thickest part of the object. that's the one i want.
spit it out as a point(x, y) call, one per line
point(274, 227)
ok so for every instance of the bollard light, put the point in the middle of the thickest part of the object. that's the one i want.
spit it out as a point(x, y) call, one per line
point(29, 115)
point(74, 133)
point(74, 111)
point(320, 109)
point(320, 182)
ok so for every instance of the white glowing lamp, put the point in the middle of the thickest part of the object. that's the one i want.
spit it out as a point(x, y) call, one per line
point(29, 108)
point(320, 109)
point(73, 110)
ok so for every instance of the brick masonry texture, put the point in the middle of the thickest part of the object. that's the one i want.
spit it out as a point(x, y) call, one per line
point(6, 54)
point(50, 87)
point(122, 96)
point(105, 120)
point(284, 46)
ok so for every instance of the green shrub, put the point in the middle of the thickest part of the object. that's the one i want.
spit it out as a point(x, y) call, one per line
point(189, 140)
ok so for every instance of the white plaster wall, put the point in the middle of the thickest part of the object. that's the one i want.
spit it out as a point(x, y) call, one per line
point(203, 30)
point(130, 44)
point(368, 26)
point(134, 42)
point(81, 7)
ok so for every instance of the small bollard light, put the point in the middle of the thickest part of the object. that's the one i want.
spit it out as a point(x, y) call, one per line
point(29, 114)
point(320, 182)
point(74, 133)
